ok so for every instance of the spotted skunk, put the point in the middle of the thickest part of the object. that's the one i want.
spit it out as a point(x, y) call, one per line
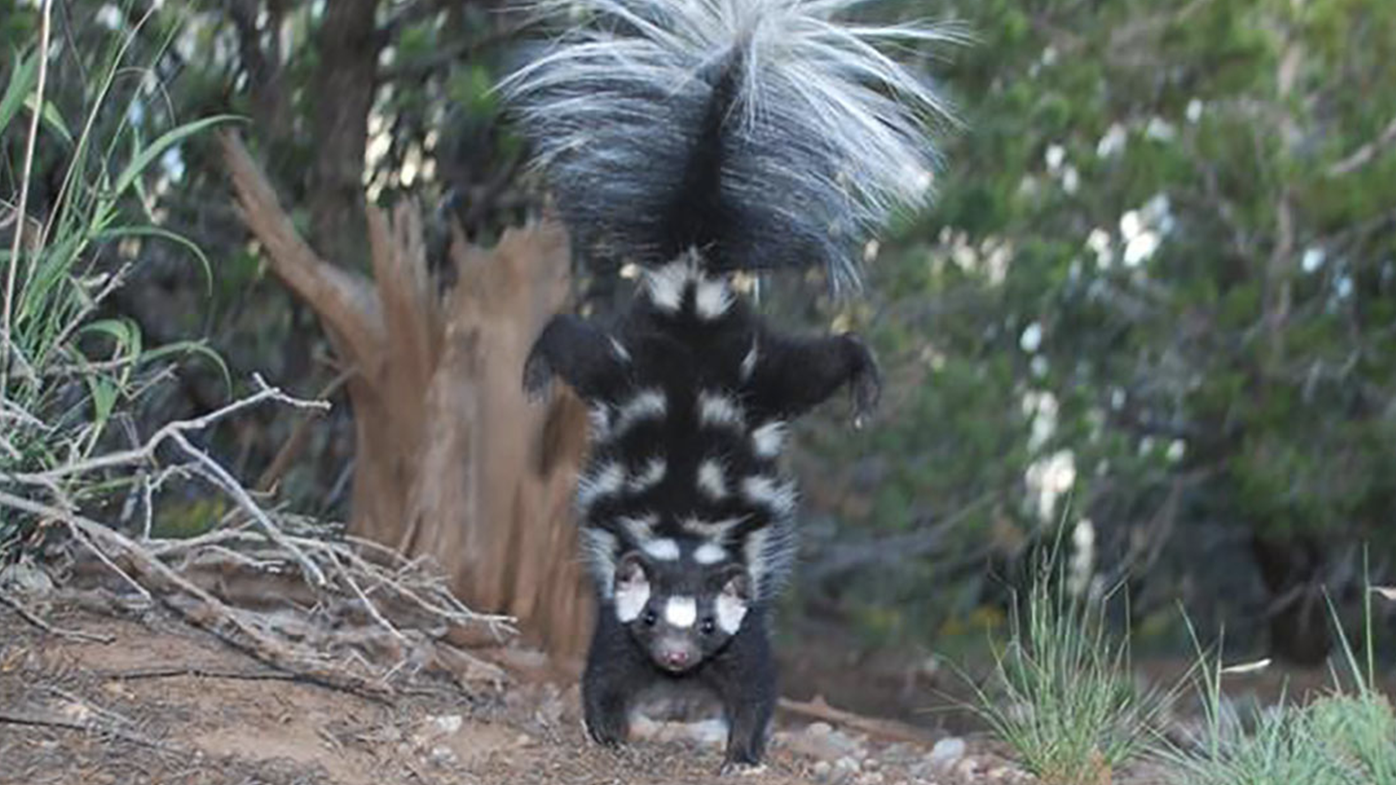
point(696, 139)
point(671, 624)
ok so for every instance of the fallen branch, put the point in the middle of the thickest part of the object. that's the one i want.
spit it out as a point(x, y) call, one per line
point(196, 671)
point(819, 709)
point(56, 721)
point(27, 615)
point(203, 610)
point(175, 432)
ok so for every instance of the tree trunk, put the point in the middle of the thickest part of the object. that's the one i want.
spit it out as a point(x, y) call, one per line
point(347, 44)
point(1292, 570)
point(451, 461)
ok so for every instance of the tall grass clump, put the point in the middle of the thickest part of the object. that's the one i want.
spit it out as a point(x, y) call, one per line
point(1062, 693)
point(68, 368)
point(1346, 737)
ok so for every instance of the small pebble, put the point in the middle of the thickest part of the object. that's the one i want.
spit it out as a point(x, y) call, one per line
point(947, 751)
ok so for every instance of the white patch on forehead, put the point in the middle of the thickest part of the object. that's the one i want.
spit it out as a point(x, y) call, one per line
point(631, 598)
point(665, 285)
point(712, 298)
point(663, 549)
point(599, 552)
point(605, 481)
point(709, 553)
point(619, 350)
point(769, 439)
point(715, 408)
point(648, 477)
point(681, 612)
point(711, 480)
point(771, 493)
point(730, 609)
point(646, 405)
point(749, 362)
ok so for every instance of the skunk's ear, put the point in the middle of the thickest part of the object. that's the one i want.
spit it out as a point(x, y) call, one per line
point(733, 601)
point(632, 587)
point(734, 581)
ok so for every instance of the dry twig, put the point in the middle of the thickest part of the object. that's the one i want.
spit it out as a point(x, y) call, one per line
point(29, 616)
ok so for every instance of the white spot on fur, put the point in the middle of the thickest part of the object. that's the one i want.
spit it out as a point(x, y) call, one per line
point(749, 361)
point(605, 481)
point(666, 284)
point(620, 351)
point(663, 549)
point(631, 598)
point(646, 405)
point(681, 612)
point(731, 609)
point(599, 552)
point(709, 553)
point(711, 479)
point(712, 298)
point(600, 416)
point(753, 552)
point(712, 530)
point(771, 493)
point(638, 529)
point(649, 476)
point(769, 439)
point(719, 409)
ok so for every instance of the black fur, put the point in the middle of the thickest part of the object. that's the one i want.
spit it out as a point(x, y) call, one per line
point(792, 375)
point(737, 669)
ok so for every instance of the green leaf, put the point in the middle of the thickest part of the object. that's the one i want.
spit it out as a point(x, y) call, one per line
point(165, 234)
point(23, 74)
point(50, 116)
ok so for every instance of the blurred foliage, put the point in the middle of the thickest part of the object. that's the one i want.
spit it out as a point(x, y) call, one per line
point(1153, 301)
point(1155, 294)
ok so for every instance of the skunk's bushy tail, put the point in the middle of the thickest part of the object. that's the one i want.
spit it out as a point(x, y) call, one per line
point(762, 132)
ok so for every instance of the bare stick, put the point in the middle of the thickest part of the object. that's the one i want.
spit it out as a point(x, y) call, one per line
point(197, 671)
point(819, 709)
point(57, 721)
point(146, 452)
point(27, 615)
point(235, 490)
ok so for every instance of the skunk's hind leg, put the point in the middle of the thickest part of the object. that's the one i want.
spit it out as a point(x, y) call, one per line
point(791, 375)
point(586, 358)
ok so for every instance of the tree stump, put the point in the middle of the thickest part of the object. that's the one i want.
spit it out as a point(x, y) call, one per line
point(451, 461)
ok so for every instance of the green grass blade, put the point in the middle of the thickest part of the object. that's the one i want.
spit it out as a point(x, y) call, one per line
point(157, 148)
point(23, 75)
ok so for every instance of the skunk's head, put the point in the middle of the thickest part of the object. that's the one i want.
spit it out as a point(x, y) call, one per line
point(680, 613)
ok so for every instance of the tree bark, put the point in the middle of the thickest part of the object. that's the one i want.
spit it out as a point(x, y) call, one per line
point(347, 43)
point(451, 461)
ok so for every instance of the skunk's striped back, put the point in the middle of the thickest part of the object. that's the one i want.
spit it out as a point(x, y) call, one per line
point(684, 465)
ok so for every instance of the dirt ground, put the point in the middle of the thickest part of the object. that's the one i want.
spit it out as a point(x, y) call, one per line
point(157, 701)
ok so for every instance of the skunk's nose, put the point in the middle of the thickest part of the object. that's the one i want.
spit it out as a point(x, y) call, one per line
point(676, 659)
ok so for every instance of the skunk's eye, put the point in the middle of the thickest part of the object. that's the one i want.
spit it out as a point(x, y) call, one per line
point(650, 618)
point(708, 627)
